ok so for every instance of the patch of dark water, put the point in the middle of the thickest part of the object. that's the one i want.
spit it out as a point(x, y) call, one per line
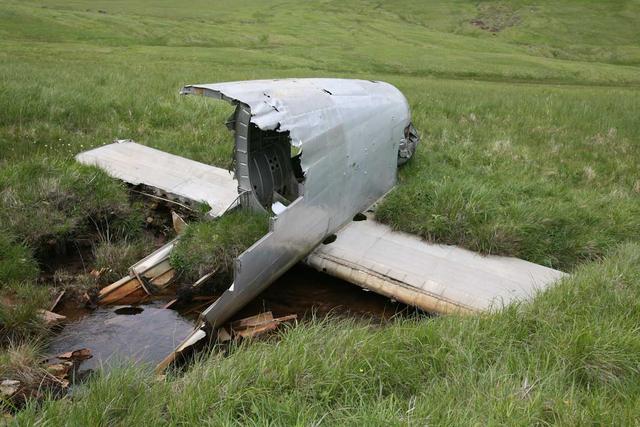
point(115, 335)
point(147, 333)
point(307, 293)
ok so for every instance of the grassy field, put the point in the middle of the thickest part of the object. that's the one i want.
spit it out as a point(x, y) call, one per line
point(529, 121)
point(570, 358)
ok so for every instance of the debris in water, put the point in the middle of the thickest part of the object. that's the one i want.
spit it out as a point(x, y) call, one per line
point(147, 277)
point(257, 325)
point(51, 319)
point(113, 338)
point(170, 303)
point(60, 370)
point(56, 301)
point(248, 327)
point(80, 354)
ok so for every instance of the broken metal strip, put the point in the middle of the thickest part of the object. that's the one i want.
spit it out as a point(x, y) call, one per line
point(147, 264)
point(120, 290)
point(151, 274)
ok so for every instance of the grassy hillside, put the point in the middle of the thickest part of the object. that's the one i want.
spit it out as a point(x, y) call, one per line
point(529, 119)
point(525, 151)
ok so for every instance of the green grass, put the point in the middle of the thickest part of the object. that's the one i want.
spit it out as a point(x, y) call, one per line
point(16, 261)
point(570, 358)
point(49, 201)
point(20, 304)
point(213, 245)
point(530, 148)
point(525, 151)
point(546, 174)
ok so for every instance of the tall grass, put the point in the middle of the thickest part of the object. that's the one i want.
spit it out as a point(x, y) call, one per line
point(569, 358)
point(213, 245)
point(46, 200)
point(20, 306)
point(16, 261)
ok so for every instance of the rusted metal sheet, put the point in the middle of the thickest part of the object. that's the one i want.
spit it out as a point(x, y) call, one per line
point(436, 278)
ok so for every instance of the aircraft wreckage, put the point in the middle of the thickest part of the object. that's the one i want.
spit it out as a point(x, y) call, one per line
point(314, 153)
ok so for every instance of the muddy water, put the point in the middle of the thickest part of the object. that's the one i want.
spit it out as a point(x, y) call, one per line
point(307, 292)
point(123, 333)
point(148, 333)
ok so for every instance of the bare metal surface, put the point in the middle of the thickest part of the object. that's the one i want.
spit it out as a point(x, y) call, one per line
point(408, 144)
point(175, 175)
point(436, 278)
point(348, 132)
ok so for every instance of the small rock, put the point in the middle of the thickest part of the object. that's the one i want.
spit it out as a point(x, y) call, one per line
point(9, 387)
point(50, 318)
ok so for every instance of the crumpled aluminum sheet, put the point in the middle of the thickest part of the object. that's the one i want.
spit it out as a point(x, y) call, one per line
point(349, 133)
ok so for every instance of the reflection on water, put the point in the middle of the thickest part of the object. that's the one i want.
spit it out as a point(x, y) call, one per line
point(307, 293)
point(148, 336)
point(148, 333)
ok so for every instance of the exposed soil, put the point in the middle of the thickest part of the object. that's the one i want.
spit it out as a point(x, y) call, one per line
point(495, 18)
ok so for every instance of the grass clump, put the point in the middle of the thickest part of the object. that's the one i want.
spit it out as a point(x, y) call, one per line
point(213, 245)
point(49, 202)
point(20, 304)
point(571, 357)
point(22, 362)
point(16, 261)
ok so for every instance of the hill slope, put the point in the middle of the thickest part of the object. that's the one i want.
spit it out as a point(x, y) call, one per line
point(529, 119)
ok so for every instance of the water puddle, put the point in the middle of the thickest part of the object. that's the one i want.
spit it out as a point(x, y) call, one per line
point(307, 293)
point(123, 333)
point(147, 333)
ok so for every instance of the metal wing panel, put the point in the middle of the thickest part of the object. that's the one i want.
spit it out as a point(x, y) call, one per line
point(175, 175)
point(435, 277)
